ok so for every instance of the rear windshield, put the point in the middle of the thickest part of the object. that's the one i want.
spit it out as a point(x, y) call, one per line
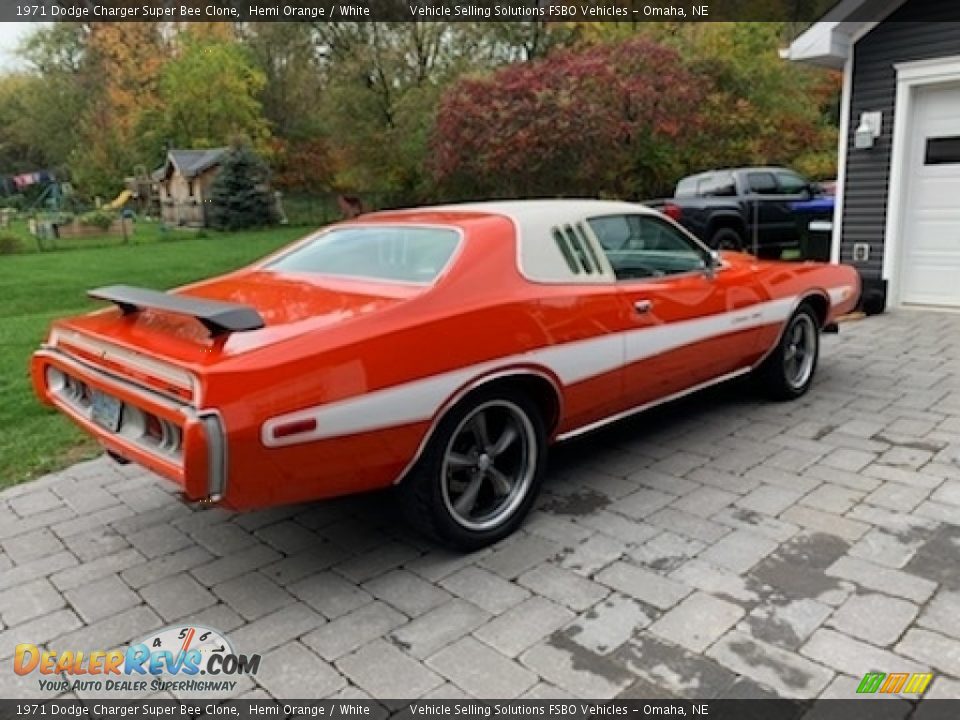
point(397, 254)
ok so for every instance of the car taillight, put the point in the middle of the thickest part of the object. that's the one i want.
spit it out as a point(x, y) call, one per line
point(674, 212)
point(153, 428)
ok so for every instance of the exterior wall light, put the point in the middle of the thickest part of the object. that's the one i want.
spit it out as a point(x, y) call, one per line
point(868, 130)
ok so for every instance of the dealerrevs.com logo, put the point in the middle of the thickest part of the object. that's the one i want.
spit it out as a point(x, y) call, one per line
point(190, 658)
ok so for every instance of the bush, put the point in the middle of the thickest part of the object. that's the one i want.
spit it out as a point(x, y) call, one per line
point(10, 244)
point(102, 219)
point(17, 201)
point(239, 194)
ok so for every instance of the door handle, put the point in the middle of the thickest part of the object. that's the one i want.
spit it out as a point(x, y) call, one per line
point(642, 307)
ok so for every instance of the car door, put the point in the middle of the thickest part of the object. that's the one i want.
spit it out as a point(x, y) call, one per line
point(686, 322)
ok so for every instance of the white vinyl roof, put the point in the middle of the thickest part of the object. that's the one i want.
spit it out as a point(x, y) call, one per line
point(545, 213)
point(539, 258)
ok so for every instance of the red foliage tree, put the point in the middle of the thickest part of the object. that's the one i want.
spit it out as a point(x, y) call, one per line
point(603, 120)
point(302, 165)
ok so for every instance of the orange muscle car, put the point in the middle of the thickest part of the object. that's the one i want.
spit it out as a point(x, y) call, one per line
point(439, 349)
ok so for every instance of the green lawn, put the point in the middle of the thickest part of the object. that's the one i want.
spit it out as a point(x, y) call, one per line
point(142, 232)
point(36, 288)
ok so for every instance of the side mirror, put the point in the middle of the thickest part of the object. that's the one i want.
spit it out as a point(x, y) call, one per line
point(711, 263)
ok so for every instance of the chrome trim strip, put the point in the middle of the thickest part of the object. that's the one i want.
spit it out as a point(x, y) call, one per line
point(158, 368)
point(147, 394)
point(466, 390)
point(652, 404)
point(132, 430)
point(216, 454)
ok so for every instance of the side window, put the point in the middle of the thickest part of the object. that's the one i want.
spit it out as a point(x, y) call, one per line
point(613, 231)
point(643, 246)
point(762, 183)
point(791, 183)
point(717, 185)
point(686, 188)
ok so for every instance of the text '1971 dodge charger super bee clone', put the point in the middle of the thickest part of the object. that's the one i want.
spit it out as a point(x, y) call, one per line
point(439, 349)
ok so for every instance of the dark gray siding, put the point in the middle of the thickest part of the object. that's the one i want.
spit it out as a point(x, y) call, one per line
point(919, 30)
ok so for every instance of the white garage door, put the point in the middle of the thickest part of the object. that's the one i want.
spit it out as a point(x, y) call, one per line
point(930, 269)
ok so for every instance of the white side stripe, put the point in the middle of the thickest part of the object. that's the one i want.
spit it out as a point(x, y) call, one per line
point(419, 400)
point(576, 361)
point(398, 405)
point(648, 342)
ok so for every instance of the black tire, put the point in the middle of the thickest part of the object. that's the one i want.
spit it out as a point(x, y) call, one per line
point(436, 495)
point(726, 238)
point(788, 371)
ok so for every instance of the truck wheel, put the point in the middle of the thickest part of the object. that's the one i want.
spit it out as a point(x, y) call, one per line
point(787, 373)
point(480, 472)
point(726, 238)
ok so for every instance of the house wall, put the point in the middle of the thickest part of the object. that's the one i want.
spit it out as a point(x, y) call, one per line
point(919, 30)
point(179, 207)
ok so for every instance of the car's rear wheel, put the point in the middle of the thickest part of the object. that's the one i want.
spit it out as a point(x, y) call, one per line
point(480, 471)
point(726, 238)
point(788, 371)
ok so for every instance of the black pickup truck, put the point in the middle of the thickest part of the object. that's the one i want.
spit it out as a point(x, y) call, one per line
point(748, 209)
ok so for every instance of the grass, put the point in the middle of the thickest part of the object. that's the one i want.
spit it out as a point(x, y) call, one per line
point(144, 233)
point(35, 288)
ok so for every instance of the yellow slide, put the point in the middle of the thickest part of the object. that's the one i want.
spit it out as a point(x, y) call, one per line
point(119, 201)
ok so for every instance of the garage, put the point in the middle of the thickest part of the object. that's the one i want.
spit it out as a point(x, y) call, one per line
point(897, 209)
point(930, 272)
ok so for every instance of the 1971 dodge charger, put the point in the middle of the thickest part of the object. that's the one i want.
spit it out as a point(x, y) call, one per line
point(439, 349)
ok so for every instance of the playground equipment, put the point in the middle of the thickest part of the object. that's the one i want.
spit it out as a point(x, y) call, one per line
point(143, 191)
point(54, 199)
point(120, 201)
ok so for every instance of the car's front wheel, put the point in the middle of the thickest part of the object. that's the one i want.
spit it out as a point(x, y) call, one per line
point(788, 371)
point(480, 471)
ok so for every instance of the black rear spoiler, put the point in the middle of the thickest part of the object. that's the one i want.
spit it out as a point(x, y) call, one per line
point(217, 317)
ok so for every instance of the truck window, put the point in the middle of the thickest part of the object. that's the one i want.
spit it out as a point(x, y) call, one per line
point(762, 183)
point(791, 183)
point(717, 185)
point(686, 188)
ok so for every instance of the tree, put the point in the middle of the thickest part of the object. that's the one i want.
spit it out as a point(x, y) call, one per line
point(761, 109)
point(239, 195)
point(758, 108)
point(603, 120)
point(126, 60)
point(292, 94)
point(383, 83)
point(302, 165)
point(21, 148)
point(206, 96)
point(40, 106)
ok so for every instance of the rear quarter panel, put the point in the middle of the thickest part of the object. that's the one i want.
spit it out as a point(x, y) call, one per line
point(435, 344)
point(837, 287)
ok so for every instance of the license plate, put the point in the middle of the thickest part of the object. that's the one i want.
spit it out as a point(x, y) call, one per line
point(106, 410)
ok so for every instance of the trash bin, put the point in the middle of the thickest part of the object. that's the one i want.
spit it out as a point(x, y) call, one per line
point(814, 220)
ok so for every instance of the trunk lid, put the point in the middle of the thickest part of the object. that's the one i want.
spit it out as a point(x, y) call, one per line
point(289, 304)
